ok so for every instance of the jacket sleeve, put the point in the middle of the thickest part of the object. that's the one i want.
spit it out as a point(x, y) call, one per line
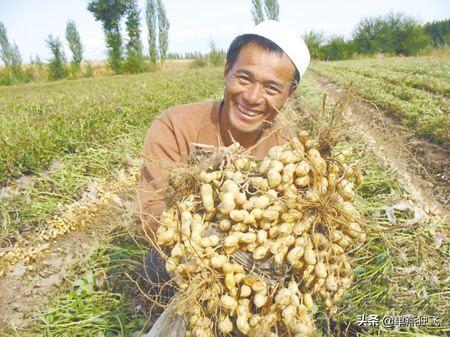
point(161, 152)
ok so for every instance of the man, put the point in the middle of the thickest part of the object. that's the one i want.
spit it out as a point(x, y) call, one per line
point(261, 73)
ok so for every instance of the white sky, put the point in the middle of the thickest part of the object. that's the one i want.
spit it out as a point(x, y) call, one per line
point(193, 23)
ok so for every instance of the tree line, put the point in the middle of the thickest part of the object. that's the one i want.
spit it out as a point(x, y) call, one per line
point(391, 34)
point(125, 54)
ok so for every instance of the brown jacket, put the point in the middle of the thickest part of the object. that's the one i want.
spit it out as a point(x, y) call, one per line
point(170, 139)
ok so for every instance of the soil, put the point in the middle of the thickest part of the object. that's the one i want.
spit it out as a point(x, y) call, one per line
point(28, 287)
point(423, 165)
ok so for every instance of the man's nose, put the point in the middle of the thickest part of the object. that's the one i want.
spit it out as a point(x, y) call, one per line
point(253, 94)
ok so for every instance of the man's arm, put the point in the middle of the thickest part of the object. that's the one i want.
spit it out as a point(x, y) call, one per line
point(161, 151)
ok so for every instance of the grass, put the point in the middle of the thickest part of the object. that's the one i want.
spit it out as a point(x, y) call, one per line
point(42, 122)
point(100, 301)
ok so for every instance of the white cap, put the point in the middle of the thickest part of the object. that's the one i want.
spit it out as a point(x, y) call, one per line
point(287, 39)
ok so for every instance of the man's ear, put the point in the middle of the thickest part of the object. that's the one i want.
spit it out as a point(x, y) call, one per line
point(226, 69)
point(289, 98)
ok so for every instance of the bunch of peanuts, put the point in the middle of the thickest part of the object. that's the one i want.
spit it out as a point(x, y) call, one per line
point(292, 211)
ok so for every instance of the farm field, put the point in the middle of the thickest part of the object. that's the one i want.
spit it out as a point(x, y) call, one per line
point(69, 161)
point(63, 134)
point(416, 91)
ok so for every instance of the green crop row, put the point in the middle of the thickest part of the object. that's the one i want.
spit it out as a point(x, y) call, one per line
point(423, 111)
point(395, 86)
point(437, 85)
point(435, 67)
point(42, 122)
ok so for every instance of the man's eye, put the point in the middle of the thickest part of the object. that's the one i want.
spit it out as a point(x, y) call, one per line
point(271, 89)
point(243, 79)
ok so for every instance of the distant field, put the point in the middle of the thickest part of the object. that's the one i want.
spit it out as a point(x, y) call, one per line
point(414, 90)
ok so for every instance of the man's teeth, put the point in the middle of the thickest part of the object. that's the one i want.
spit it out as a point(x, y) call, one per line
point(248, 112)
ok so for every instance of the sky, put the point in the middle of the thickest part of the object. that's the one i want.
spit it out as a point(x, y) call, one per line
point(194, 23)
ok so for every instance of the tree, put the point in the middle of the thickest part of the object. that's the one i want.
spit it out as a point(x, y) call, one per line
point(36, 61)
point(364, 35)
point(75, 46)
point(5, 47)
point(135, 60)
point(37, 67)
point(334, 49)
point(314, 41)
point(391, 34)
point(216, 57)
point(272, 9)
point(109, 13)
point(411, 40)
point(439, 31)
point(57, 67)
point(163, 31)
point(16, 62)
point(257, 12)
point(10, 55)
point(174, 56)
point(151, 17)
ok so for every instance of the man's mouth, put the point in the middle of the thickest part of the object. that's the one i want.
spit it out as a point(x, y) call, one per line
point(247, 112)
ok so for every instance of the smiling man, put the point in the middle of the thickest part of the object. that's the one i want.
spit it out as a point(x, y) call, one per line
point(259, 82)
point(261, 74)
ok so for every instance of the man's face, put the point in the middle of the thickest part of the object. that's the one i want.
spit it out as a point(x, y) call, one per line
point(257, 87)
